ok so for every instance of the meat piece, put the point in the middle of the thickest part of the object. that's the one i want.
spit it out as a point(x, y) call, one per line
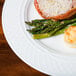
point(55, 9)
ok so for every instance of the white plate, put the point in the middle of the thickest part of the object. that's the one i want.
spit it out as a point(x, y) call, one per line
point(50, 56)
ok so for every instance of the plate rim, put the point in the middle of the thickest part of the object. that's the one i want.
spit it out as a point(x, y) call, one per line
point(10, 45)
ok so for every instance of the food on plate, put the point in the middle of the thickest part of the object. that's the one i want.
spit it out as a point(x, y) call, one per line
point(56, 9)
point(70, 36)
point(59, 18)
point(46, 28)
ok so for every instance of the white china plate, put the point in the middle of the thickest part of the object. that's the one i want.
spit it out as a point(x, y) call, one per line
point(50, 55)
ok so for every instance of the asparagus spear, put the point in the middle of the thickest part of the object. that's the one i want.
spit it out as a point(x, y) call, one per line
point(67, 22)
point(41, 36)
point(34, 24)
point(53, 25)
point(37, 30)
point(74, 24)
point(47, 25)
point(60, 31)
point(63, 29)
point(39, 22)
point(58, 24)
point(49, 28)
point(54, 32)
point(40, 26)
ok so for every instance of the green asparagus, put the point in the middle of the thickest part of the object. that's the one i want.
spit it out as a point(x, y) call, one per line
point(47, 28)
